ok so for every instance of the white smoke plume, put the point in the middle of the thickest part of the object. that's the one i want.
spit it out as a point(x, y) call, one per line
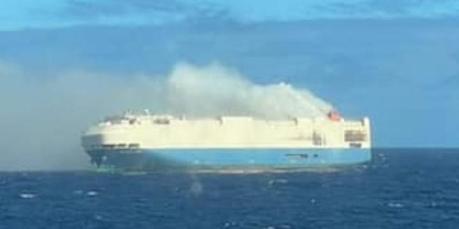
point(217, 90)
point(43, 117)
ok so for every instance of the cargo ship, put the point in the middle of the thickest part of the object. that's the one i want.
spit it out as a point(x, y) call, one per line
point(147, 142)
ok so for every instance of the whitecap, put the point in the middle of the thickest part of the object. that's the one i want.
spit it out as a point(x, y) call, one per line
point(27, 195)
point(92, 193)
point(229, 224)
point(278, 181)
point(395, 205)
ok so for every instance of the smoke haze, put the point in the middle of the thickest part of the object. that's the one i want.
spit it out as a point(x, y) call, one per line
point(217, 90)
point(42, 118)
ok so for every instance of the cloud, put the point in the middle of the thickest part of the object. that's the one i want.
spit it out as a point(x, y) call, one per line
point(142, 12)
point(145, 12)
point(260, 11)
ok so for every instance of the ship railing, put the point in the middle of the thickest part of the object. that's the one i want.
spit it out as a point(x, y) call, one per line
point(115, 146)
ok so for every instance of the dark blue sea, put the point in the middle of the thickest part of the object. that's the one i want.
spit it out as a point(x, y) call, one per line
point(400, 188)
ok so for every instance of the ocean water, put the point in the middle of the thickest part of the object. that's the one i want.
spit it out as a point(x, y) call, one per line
point(400, 188)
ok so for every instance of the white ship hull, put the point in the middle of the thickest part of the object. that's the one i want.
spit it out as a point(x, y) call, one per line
point(163, 142)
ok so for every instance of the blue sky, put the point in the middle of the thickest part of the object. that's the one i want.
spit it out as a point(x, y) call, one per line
point(395, 61)
point(19, 14)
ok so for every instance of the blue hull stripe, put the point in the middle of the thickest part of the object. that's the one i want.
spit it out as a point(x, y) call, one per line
point(151, 158)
